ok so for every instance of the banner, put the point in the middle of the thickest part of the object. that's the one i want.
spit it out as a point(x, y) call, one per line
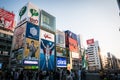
point(19, 37)
point(48, 21)
point(29, 12)
point(7, 19)
point(61, 62)
point(32, 31)
point(31, 51)
point(47, 54)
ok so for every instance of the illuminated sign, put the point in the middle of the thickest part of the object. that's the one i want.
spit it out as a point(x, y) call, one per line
point(30, 62)
point(61, 62)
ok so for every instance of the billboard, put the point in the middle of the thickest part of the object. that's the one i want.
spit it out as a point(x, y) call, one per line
point(6, 19)
point(19, 37)
point(60, 51)
point(48, 21)
point(32, 31)
point(90, 41)
point(47, 55)
point(75, 55)
point(60, 39)
point(71, 34)
point(47, 36)
point(17, 56)
point(29, 12)
point(73, 45)
point(31, 51)
point(61, 62)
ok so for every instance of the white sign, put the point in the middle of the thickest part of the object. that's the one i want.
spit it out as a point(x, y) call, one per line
point(29, 12)
point(75, 55)
point(47, 36)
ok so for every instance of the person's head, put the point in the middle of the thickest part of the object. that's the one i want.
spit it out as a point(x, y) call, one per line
point(48, 46)
point(32, 42)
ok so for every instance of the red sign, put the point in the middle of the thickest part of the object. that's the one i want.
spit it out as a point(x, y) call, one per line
point(47, 36)
point(73, 45)
point(90, 41)
point(6, 19)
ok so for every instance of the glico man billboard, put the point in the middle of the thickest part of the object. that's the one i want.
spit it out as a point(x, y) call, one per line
point(6, 19)
point(47, 51)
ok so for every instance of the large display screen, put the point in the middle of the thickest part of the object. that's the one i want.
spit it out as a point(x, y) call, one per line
point(60, 51)
point(6, 19)
point(73, 45)
point(48, 21)
point(60, 39)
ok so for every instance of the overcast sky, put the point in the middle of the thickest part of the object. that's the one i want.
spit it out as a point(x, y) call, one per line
point(98, 19)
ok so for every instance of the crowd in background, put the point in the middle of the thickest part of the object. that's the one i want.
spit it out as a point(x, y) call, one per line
point(59, 74)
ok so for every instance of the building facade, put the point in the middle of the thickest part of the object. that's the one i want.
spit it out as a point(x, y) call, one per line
point(94, 58)
point(6, 34)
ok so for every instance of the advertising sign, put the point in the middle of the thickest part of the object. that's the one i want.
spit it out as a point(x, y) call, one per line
point(73, 45)
point(29, 12)
point(60, 38)
point(19, 37)
point(6, 19)
point(47, 54)
point(61, 62)
point(31, 51)
point(47, 36)
point(1, 65)
point(16, 56)
point(66, 40)
point(60, 51)
point(32, 31)
point(71, 34)
point(90, 41)
point(30, 62)
point(48, 21)
point(75, 55)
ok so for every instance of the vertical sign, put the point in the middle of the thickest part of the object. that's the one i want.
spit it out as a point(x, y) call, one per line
point(47, 51)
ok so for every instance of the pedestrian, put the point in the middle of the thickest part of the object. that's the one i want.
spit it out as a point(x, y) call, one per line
point(68, 77)
point(116, 76)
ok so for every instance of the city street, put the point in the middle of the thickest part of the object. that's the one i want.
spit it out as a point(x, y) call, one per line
point(95, 76)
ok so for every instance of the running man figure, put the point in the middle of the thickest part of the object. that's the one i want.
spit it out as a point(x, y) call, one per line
point(47, 52)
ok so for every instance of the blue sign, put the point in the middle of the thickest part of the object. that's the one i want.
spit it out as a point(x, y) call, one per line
point(47, 53)
point(32, 31)
point(61, 62)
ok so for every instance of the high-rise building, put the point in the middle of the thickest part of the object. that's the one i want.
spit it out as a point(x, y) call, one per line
point(93, 52)
point(6, 35)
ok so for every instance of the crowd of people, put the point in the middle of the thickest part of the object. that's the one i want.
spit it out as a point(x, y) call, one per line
point(59, 74)
point(108, 75)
